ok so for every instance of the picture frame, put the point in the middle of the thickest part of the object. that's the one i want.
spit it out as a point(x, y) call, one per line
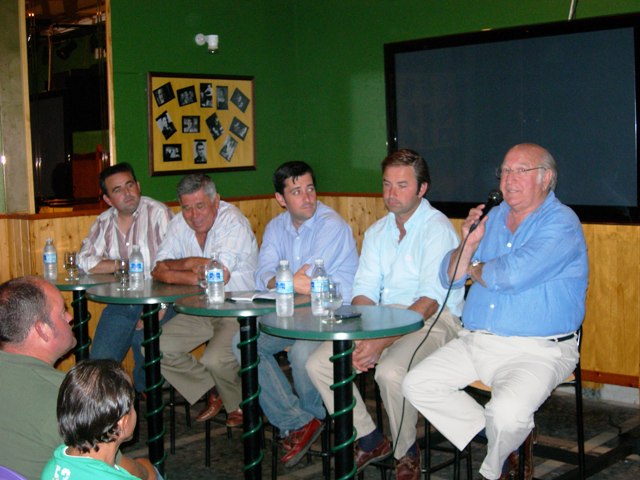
point(200, 123)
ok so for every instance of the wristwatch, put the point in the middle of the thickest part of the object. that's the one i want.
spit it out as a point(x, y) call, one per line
point(476, 273)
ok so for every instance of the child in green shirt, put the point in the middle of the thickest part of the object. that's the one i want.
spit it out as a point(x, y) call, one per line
point(95, 415)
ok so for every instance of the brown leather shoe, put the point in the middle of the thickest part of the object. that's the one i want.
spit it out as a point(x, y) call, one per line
point(380, 452)
point(408, 467)
point(300, 441)
point(214, 405)
point(234, 419)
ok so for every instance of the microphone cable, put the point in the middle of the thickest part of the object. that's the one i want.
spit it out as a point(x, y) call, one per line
point(426, 335)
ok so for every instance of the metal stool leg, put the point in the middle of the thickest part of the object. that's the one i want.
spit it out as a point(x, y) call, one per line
point(274, 452)
point(469, 466)
point(427, 450)
point(582, 468)
point(207, 443)
point(172, 417)
point(172, 420)
point(427, 465)
point(326, 448)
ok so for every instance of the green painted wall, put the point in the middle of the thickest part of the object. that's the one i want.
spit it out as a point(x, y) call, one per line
point(318, 67)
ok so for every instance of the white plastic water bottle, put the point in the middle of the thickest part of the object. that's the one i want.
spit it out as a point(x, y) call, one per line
point(284, 290)
point(215, 281)
point(50, 260)
point(319, 285)
point(136, 267)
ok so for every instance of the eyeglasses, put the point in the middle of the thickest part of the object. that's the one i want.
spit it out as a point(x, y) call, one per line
point(503, 172)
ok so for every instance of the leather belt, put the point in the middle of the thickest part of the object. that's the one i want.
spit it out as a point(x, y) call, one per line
point(564, 338)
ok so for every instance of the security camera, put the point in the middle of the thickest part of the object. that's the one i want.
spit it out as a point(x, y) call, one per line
point(210, 40)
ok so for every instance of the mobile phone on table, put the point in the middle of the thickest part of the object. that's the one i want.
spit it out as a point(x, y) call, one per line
point(347, 311)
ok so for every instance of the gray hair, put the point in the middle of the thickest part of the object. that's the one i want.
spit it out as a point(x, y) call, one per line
point(547, 161)
point(195, 181)
point(23, 302)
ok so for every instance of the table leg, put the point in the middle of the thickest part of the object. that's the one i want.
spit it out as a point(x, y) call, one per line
point(81, 325)
point(344, 433)
point(252, 436)
point(154, 381)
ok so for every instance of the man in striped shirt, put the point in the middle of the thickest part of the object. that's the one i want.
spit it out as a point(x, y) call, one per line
point(131, 220)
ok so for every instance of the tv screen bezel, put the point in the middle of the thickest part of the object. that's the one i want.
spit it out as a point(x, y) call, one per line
point(455, 209)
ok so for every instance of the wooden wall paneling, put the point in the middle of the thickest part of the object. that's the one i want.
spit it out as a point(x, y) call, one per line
point(259, 212)
point(612, 322)
point(19, 248)
point(360, 212)
point(5, 257)
point(41, 229)
point(68, 231)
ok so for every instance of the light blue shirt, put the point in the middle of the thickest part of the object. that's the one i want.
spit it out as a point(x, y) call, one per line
point(325, 235)
point(393, 272)
point(536, 277)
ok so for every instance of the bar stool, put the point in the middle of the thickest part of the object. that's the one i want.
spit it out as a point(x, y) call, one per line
point(428, 445)
point(457, 455)
point(172, 418)
point(187, 410)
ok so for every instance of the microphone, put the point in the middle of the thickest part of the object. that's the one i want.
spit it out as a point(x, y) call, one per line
point(495, 197)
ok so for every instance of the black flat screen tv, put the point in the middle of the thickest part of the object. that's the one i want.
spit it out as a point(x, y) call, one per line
point(463, 100)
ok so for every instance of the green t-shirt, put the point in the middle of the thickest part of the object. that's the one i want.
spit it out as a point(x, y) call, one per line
point(28, 425)
point(68, 467)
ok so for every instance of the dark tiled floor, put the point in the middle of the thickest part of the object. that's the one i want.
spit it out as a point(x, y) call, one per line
point(604, 422)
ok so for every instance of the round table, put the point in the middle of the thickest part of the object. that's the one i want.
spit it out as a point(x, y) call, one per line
point(150, 295)
point(246, 312)
point(81, 315)
point(375, 322)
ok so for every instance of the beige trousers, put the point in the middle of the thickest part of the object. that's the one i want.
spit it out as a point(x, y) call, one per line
point(390, 371)
point(217, 366)
point(522, 371)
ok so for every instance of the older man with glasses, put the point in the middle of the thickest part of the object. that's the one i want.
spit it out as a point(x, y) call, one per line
point(528, 263)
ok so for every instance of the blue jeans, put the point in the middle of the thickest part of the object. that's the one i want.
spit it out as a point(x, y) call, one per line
point(116, 332)
point(282, 407)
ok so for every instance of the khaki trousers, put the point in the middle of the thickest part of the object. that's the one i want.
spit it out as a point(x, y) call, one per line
point(390, 371)
point(217, 366)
